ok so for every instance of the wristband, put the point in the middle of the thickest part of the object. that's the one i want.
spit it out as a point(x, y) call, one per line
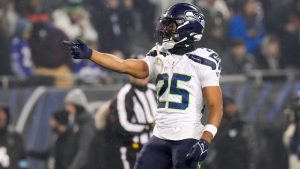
point(211, 128)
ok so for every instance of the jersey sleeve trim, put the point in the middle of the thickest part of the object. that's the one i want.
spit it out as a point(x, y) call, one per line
point(211, 78)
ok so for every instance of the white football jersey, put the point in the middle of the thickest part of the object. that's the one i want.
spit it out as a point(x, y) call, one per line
point(179, 80)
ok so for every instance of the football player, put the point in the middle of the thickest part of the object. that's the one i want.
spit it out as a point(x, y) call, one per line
point(187, 80)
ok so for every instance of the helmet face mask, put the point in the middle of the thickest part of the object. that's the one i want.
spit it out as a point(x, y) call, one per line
point(165, 31)
point(180, 26)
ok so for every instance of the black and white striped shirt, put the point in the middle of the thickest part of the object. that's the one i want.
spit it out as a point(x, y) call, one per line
point(135, 107)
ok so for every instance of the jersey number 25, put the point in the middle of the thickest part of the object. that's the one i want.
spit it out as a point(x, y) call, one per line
point(171, 83)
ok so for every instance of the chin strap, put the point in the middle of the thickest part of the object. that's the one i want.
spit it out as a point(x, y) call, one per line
point(170, 44)
point(178, 48)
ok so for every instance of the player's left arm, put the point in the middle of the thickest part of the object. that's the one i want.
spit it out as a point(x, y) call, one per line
point(212, 95)
point(213, 98)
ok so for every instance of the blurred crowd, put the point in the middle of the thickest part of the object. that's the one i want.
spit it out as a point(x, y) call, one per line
point(250, 34)
point(32, 32)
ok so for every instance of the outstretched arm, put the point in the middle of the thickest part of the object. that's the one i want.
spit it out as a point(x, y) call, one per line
point(134, 67)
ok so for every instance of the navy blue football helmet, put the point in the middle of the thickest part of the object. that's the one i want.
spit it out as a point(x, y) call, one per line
point(181, 25)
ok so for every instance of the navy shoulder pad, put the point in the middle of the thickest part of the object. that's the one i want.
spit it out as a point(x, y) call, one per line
point(202, 60)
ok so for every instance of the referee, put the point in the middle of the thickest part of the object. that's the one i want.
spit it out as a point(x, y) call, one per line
point(133, 110)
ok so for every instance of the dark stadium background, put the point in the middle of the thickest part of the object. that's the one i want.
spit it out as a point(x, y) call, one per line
point(263, 89)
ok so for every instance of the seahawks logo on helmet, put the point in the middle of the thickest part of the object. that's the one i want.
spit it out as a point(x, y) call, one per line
point(197, 16)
